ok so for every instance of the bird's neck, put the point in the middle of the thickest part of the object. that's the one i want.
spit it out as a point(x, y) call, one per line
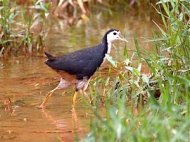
point(107, 44)
point(108, 48)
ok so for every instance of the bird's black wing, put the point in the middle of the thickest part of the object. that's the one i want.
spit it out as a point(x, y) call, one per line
point(82, 63)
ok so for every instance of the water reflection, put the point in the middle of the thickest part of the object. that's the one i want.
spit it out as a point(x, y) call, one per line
point(57, 122)
point(66, 129)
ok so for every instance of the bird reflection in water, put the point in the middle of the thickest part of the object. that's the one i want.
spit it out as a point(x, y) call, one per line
point(68, 132)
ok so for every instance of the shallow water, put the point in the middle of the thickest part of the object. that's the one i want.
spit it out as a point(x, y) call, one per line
point(24, 81)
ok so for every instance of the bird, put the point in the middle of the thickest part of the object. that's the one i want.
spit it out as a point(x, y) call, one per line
point(76, 68)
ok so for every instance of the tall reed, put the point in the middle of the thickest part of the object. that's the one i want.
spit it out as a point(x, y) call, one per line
point(165, 119)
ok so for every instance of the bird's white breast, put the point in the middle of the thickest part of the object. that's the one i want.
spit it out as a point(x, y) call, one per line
point(108, 52)
point(109, 48)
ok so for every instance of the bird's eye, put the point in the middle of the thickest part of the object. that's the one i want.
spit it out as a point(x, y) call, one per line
point(114, 33)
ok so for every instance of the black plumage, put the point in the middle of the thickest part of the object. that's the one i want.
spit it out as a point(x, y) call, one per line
point(82, 63)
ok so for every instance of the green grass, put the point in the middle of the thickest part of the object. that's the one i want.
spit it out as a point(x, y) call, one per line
point(165, 119)
point(17, 27)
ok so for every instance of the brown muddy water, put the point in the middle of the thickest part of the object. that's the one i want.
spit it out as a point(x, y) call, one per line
point(24, 81)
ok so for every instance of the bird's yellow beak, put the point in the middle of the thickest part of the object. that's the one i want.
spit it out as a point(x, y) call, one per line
point(122, 38)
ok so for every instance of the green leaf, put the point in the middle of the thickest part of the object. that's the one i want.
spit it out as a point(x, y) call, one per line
point(145, 78)
point(111, 60)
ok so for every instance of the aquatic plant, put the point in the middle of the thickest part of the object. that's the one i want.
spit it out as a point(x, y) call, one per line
point(165, 119)
point(19, 25)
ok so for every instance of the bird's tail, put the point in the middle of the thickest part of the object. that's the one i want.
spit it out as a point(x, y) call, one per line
point(49, 56)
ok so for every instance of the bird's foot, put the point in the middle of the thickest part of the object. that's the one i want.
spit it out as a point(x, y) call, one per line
point(41, 106)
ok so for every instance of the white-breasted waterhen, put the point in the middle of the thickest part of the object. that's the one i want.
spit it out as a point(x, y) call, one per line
point(77, 67)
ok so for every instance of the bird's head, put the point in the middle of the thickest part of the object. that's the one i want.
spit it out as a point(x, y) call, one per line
point(112, 35)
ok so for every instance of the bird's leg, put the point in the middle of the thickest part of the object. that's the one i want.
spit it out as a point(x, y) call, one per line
point(86, 85)
point(81, 87)
point(62, 85)
point(74, 97)
point(84, 91)
point(47, 97)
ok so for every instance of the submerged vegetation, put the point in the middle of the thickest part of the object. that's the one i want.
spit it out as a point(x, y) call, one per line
point(139, 107)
